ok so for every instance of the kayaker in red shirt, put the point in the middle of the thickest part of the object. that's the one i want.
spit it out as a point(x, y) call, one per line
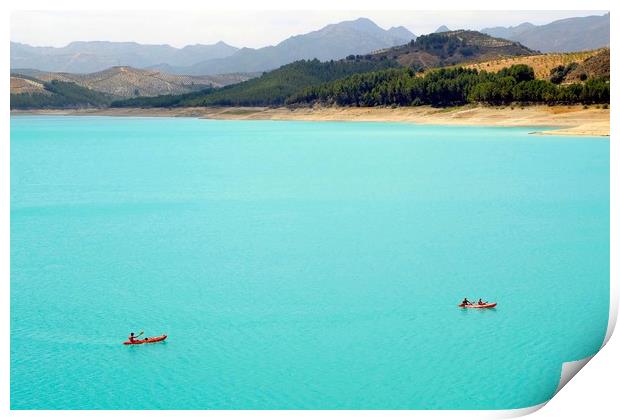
point(133, 337)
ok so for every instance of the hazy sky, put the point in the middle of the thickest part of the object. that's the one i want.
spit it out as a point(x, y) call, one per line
point(241, 29)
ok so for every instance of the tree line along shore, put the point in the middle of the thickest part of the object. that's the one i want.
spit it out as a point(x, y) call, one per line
point(395, 87)
point(386, 87)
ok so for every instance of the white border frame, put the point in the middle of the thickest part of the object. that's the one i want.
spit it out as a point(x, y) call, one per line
point(604, 380)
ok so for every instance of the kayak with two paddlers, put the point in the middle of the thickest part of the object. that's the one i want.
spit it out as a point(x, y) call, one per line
point(480, 305)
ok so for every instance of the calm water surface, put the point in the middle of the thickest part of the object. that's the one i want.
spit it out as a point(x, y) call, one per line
point(301, 264)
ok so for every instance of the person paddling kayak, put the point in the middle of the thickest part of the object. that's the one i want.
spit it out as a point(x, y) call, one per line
point(132, 339)
point(480, 302)
point(465, 302)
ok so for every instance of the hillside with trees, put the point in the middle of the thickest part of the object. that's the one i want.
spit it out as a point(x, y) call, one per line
point(596, 66)
point(450, 87)
point(128, 82)
point(272, 88)
point(451, 48)
point(21, 84)
point(58, 94)
point(596, 63)
point(275, 87)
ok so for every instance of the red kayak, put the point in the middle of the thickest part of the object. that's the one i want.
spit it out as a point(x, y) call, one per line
point(147, 340)
point(476, 306)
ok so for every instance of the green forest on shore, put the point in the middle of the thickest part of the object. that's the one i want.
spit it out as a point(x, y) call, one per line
point(272, 88)
point(296, 85)
point(61, 94)
point(355, 81)
point(450, 87)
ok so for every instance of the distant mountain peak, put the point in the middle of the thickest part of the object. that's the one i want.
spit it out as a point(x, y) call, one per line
point(442, 28)
point(360, 24)
point(223, 44)
point(362, 21)
point(401, 32)
point(217, 44)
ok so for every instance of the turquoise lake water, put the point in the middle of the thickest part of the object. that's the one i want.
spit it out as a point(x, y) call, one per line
point(301, 265)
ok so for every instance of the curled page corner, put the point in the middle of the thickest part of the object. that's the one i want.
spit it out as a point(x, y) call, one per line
point(518, 412)
point(613, 313)
point(570, 369)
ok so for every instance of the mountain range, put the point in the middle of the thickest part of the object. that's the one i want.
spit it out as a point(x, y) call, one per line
point(335, 41)
point(93, 56)
point(128, 69)
point(565, 35)
point(332, 42)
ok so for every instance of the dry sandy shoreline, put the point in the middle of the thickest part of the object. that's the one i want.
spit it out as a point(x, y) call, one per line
point(566, 120)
